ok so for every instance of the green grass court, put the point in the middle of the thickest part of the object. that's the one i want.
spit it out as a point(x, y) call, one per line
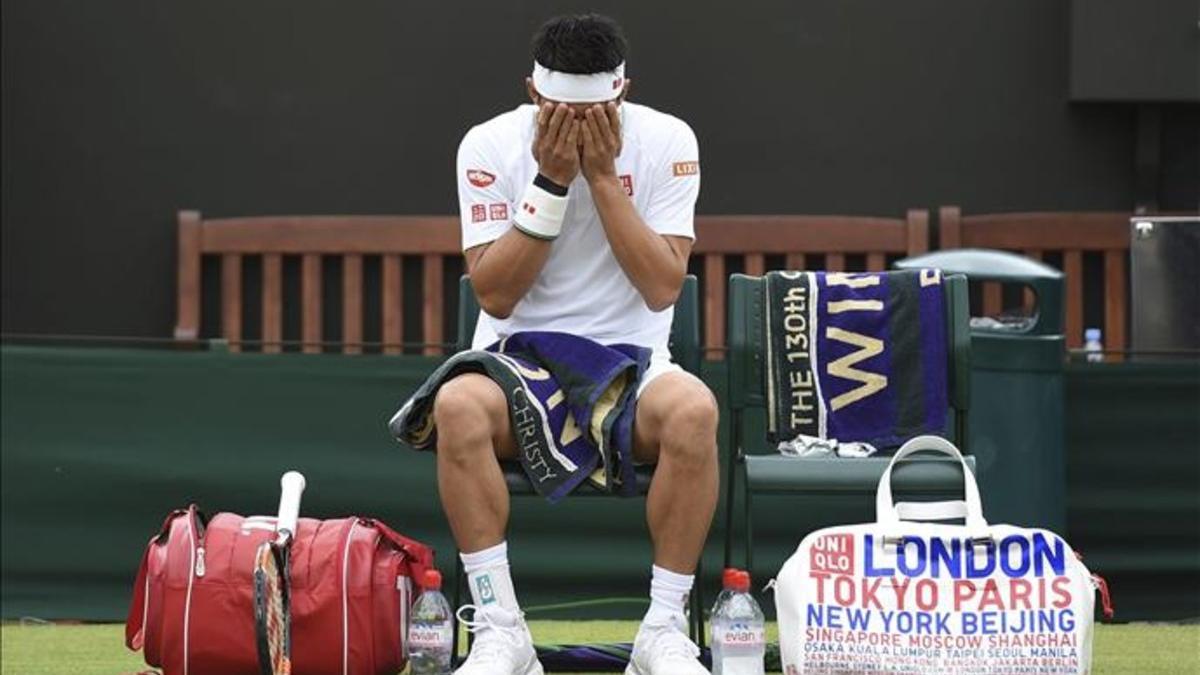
point(1144, 649)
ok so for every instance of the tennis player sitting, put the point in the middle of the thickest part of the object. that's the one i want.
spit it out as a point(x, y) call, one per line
point(577, 218)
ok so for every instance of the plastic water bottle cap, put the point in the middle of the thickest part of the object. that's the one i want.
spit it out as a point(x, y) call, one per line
point(742, 585)
point(729, 578)
point(1092, 334)
point(432, 580)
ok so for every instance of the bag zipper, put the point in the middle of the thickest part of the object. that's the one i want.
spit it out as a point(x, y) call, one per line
point(1105, 599)
point(194, 538)
point(403, 584)
point(200, 561)
point(345, 603)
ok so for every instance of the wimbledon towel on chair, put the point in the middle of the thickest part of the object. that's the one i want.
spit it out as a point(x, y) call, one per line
point(570, 401)
point(856, 357)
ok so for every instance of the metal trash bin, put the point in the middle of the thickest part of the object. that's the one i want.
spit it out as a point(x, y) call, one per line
point(1015, 421)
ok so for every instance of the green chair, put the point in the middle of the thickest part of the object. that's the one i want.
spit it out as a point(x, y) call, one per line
point(685, 350)
point(765, 471)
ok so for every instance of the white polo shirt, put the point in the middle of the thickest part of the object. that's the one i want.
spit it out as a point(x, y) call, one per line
point(581, 289)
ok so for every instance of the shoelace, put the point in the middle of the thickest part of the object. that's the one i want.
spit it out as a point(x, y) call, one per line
point(670, 641)
point(483, 647)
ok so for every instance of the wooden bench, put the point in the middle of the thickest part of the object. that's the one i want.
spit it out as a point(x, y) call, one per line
point(746, 240)
point(433, 238)
point(829, 238)
point(1070, 234)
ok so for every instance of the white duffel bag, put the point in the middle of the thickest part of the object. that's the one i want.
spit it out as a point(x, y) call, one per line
point(903, 596)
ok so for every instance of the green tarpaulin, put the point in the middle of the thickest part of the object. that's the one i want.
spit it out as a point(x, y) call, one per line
point(97, 445)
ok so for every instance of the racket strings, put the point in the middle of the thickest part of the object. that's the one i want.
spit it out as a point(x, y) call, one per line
point(273, 608)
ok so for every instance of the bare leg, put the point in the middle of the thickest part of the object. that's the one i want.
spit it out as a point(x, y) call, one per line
point(473, 431)
point(676, 426)
point(473, 435)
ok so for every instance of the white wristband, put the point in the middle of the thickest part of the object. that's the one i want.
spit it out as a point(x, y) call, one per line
point(540, 213)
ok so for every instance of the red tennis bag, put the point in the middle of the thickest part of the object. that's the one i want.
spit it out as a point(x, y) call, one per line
point(352, 585)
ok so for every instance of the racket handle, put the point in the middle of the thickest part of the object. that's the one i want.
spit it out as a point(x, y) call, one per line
point(292, 486)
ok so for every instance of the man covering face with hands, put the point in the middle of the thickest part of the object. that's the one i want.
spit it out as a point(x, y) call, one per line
point(577, 217)
point(592, 130)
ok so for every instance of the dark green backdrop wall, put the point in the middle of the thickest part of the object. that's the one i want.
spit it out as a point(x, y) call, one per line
point(118, 113)
point(97, 445)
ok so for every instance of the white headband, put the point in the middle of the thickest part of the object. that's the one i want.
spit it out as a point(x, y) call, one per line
point(574, 88)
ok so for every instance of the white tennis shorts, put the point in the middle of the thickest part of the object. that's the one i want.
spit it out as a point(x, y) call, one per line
point(659, 365)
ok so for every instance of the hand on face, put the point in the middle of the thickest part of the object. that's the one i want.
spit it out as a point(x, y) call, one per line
point(555, 145)
point(600, 135)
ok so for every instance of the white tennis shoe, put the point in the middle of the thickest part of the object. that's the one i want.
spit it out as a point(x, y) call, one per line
point(665, 649)
point(502, 644)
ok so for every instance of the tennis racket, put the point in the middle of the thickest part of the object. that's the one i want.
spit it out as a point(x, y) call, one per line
point(272, 603)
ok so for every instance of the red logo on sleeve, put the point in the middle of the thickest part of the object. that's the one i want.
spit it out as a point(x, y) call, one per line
point(478, 213)
point(685, 168)
point(627, 183)
point(480, 178)
point(498, 211)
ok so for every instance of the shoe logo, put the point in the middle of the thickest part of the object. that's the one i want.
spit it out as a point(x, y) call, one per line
point(487, 594)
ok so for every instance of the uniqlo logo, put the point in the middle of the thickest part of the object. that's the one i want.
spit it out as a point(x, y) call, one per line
point(627, 183)
point(833, 553)
point(478, 213)
point(498, 211)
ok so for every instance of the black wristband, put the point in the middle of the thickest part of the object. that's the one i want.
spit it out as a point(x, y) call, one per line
point(550, 186)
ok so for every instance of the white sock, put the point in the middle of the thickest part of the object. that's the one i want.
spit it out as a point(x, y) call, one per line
point(489, 578)
point(668, 595)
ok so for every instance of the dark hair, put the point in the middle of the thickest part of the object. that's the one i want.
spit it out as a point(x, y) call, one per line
point(582, 44)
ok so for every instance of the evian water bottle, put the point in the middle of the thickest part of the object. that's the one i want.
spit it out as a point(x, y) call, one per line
point(1093, 346)
point(728, 584)
point(740, 634)
point(430, 632)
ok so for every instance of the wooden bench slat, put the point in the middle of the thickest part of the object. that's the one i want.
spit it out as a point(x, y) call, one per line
point(1028, 297)
point(950, 225)
point(1050, 230)
point(1073, 270)
point(432, 311)
point(187, 324)
point(352, 304)
point(231, 300)
point(916, 231)
point(1114, 294)
point(835, 262)
point(795, 261)
point(799, 234)
point(993, 298)
point(310, 308)
point(876, 262)
point(272, 303)
point(333, 235)
point(714, 303)
point(393, 307)
point(755, 264)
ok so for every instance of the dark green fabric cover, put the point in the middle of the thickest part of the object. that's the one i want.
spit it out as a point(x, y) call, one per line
point(96, 445)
